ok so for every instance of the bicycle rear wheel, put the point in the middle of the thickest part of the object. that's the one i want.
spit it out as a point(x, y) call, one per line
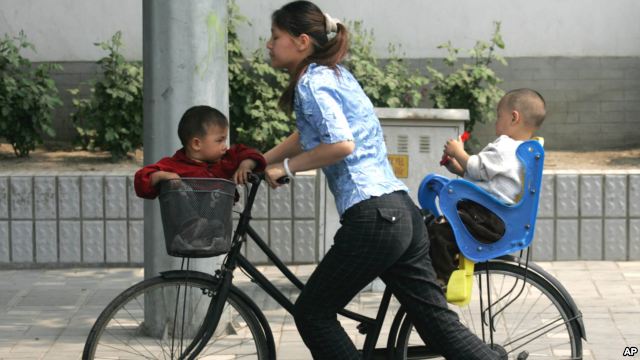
point(529, 314)
point(159, 318)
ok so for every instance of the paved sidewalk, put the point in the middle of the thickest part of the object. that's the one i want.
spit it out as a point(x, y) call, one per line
point(46, 314)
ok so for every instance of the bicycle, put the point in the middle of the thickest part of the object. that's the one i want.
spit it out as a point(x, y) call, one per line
point(184, 314)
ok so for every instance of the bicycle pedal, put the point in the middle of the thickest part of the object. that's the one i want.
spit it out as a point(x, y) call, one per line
point(363, 328)
point(523, 355)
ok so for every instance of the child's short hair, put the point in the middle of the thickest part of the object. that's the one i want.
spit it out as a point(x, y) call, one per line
point(197, 119)
point(529, 103)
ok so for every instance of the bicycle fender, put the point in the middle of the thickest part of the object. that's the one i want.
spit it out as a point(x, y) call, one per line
point(179, 274)
point(550, 278)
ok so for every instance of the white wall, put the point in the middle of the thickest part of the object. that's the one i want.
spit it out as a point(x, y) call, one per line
point(65, 30)
point(529, 28)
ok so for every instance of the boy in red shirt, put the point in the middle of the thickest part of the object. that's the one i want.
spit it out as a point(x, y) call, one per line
point(203, 133)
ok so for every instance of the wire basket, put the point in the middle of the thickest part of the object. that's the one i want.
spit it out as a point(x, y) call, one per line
point(196, 216)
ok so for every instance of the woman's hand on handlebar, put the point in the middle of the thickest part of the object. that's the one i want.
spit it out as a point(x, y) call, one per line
point(274, 172)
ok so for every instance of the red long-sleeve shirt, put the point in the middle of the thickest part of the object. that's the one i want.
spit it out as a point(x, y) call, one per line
point(180, 164)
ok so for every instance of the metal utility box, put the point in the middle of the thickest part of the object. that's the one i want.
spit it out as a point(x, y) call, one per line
point(415, 139)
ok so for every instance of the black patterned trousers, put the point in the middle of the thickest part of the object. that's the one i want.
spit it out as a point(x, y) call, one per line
point(381, 237)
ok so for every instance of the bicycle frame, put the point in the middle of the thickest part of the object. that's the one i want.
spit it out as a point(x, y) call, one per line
point(368, 325)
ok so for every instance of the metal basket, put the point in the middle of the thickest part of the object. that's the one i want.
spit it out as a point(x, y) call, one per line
point(196, 216)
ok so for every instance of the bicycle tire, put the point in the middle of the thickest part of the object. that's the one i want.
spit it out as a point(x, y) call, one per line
point(558, 332)
point(121, 331)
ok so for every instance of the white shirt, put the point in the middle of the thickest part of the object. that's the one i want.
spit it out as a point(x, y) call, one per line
point(497, 169)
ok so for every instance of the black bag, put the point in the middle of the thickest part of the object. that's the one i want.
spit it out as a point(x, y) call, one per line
point(484, 225)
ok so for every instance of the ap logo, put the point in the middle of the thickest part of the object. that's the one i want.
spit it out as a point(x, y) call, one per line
point(630, 351)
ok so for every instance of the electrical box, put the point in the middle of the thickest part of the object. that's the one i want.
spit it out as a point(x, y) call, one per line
point(415, 139)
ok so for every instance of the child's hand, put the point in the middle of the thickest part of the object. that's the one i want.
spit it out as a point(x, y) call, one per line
point(454, 167)
point(453, 147)
point(158, 176)
point(244, 169)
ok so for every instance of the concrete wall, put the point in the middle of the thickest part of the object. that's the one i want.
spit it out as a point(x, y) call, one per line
point(592, 102)
point(49, 220)
point(65, 30)
point(582, 55)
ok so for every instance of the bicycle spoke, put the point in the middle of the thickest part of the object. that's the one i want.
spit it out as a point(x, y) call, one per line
point(559, 322)
point(127, 333)
point(120, 349)
point(127, 343)
point(138, 326)
point(528, 314)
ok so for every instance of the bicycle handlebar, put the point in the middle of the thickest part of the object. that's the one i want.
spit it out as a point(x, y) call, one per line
point(255, 178)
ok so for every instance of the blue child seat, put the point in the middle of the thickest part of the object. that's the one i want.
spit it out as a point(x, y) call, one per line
point(519, 218)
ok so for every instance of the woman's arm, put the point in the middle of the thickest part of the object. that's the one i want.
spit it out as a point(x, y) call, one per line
point(290, 147)
point(320, 156)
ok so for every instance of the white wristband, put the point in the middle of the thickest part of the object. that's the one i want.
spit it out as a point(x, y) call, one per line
point(287, 170)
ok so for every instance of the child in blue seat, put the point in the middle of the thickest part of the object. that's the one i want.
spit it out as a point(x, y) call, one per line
point(496, 169)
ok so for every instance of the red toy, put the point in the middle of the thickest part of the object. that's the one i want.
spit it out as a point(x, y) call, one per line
point(445, 159)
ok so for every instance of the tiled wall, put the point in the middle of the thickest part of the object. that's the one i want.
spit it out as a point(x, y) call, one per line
point(589, 216)
point(97, 219)
point(70, 219)
point(287, 219)
point(65, 220)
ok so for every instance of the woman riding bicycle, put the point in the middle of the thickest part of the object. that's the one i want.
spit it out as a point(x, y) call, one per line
point(382, 233)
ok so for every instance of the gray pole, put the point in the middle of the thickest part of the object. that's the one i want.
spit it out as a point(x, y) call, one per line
point(185, 64)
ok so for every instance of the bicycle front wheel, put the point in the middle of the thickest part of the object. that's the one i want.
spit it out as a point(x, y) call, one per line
point(527, 313)
point(159, 318)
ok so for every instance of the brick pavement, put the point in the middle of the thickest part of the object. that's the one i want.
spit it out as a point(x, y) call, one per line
point(46, 314)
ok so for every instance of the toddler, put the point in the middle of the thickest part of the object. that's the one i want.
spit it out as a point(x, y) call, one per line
point(203, 133)
point(496, 169)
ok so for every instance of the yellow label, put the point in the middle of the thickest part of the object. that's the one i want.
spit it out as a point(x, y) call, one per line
point(400, 165)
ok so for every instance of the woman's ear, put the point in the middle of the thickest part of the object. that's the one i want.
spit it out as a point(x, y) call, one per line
point(303, 42)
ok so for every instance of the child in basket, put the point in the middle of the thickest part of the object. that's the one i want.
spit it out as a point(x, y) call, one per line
point(496, 169)
point(203, 133)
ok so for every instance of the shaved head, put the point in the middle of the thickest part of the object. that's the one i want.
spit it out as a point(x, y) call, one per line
point(529, 103)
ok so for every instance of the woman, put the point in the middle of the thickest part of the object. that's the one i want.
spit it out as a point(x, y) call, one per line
point(382, 233)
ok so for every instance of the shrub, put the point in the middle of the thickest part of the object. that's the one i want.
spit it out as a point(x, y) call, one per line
point(391, 85)
point(27, 96)
point(111, 119)
point(470, 86)
point(255, 87)
point(254, 90)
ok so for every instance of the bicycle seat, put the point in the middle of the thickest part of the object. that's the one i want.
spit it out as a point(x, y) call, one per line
point(440, 195)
